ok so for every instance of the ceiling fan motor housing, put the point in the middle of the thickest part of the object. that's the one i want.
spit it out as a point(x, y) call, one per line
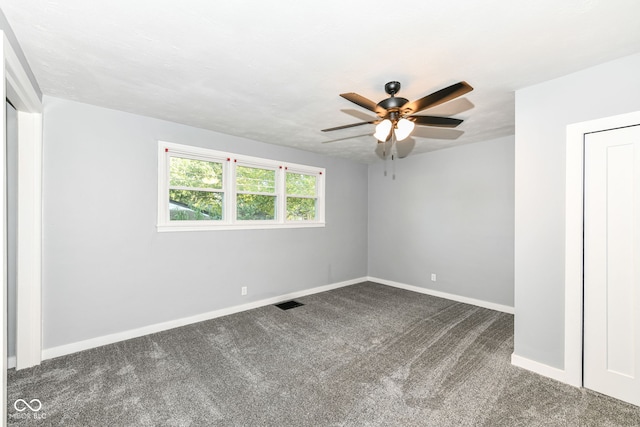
point(393, 104)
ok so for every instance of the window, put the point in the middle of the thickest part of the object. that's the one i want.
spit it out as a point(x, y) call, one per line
point(202, 189)
point(256, 197)
point(195, 190)
point(302, 196)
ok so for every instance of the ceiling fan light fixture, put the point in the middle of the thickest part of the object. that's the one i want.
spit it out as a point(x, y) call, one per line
point(396, 117)
point(382, 130)
point(404, 129)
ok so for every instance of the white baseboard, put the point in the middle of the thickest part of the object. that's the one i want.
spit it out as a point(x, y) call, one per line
point(466, 300)
point(541, 369)
point(50, 353)
point(11, 362)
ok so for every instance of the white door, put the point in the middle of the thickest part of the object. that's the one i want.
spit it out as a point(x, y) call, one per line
point(612, 263)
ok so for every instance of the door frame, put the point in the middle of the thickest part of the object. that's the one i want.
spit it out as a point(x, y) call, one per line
point(574, 238)
point(26, 98)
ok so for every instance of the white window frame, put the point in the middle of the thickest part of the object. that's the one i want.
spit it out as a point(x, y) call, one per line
point(190, 156)
point(230, 161)
point(234, 195)
point(286, 195)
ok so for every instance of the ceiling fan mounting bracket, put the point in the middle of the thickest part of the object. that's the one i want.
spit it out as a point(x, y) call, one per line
point(392, 88)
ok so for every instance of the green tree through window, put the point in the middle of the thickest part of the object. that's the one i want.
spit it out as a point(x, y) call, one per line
point(301, 197)
point(204, 189)
point(256, 193)
point(195, 190)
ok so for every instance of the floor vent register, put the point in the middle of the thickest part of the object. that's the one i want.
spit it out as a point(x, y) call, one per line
point(288, 305)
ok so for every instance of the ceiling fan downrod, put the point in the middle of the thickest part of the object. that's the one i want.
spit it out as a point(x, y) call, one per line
point(392, 104)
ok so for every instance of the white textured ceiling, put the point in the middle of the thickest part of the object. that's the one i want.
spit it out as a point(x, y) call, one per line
point(272, 70)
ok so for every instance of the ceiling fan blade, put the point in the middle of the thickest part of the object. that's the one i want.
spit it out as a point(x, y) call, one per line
point(436, 98)
point(364, 103)
point(442, 122)
point(349, 126)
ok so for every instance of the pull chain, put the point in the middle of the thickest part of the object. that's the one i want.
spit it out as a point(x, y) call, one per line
point(384, 156)
point(393, 151)
point(394, 154)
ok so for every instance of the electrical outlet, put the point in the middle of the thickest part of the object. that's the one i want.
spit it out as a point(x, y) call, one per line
point(433, 277)
point(243, 291)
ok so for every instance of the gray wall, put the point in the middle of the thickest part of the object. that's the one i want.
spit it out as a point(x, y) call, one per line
point(542, 115)
point(107, 270)
point(448, 212)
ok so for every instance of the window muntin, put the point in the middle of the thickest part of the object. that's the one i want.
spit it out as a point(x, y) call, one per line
point(202, 189)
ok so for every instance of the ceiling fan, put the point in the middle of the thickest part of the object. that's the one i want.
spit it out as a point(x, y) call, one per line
point(395, 114)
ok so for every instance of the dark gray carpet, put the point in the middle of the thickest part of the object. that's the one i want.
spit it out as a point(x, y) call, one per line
point(363, 355)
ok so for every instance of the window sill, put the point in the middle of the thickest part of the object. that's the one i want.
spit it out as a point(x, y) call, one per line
point(162, 228)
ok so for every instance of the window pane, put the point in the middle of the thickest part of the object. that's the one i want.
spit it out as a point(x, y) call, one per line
point(187, 205)
point(195, 173)
point(301, 209)
point(301, 184)
point(255, 179)
point(256, 207)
